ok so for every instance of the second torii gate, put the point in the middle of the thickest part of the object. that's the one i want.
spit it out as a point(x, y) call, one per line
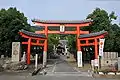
point(39, 40)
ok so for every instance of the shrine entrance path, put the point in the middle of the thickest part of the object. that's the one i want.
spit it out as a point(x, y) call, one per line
point(60, 67)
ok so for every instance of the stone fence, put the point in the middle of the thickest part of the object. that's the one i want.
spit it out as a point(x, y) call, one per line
point(109, 61)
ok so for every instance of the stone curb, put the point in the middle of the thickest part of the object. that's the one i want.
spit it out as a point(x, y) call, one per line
point(109, 73)
point(106, 76)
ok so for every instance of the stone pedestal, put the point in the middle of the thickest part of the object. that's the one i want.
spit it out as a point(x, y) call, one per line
point(15, 51)
point(44, 58)
point(79, 58)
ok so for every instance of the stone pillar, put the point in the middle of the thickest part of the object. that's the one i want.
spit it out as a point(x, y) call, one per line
point(16, 51)
point(118, 63)
point(24, 57)
point(54, 49)
point(36, 61)
point(65, 50)
point(2, 57)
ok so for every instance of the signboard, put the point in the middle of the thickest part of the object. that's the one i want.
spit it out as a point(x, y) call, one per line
point(79, 58)
point(101, 47)
point(62, 28)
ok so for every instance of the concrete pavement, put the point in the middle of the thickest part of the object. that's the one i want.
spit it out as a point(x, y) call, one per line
point(58, 70)
point(62, 68)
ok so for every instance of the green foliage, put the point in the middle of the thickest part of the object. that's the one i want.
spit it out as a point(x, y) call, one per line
point(53, 39)
point(72, 43)
point(11, 21)
point(103, 21)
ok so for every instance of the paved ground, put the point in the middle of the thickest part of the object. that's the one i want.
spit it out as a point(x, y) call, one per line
point(62, 68)
point(59, 69)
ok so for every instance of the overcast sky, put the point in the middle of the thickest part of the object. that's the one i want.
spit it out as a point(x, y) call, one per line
point(61, 9)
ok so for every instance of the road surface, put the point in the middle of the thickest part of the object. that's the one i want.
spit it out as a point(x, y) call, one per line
point(58, 70)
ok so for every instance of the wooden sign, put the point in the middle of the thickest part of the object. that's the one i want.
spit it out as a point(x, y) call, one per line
point(62, 28)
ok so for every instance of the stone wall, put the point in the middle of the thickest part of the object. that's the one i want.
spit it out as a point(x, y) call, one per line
point(109, 60)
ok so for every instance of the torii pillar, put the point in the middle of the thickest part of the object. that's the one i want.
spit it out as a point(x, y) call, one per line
point(45, 48)
point(79, 52)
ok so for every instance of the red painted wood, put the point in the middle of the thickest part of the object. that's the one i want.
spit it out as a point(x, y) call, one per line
point(28, 51)
point(45, 43)
point(66, 25)
point(24, 42)
point(84, 32)
point(77, 32)
point(26, 36)
point(29, 43)
point(95, 43)
point(96, 49)
point(78, 41)
point(91, 38)
point(36, 44)
point(90, 44)
point(58, 32)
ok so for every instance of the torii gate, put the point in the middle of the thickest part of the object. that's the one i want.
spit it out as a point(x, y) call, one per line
point(39, 41)
point(63, 25)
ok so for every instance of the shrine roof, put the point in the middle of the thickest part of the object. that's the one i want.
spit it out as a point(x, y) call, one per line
point(32, 34)
point(93, 34)
point(62, 21)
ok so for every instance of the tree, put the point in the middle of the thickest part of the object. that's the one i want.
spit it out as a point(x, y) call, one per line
point(103, 21)
point(72, 43)
point(11, 21)
point(53, 39)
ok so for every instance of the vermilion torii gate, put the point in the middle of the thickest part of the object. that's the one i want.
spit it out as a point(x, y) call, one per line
point(39, 40)
point(63, 26)
point(92, 39)
point(81, 35)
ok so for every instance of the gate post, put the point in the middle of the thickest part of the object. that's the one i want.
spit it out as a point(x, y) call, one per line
point(79, 52)
point(96, 49)
point(28, 51)
point(45, 48)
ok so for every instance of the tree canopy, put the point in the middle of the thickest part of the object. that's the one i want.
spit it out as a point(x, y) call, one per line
point(103, 21)
point(53, 39)
point(11, 21)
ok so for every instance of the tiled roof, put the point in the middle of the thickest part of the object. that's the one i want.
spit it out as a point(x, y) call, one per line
point(62, 21)
point(38, 27)
point(32, 34)
point(93, 34)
